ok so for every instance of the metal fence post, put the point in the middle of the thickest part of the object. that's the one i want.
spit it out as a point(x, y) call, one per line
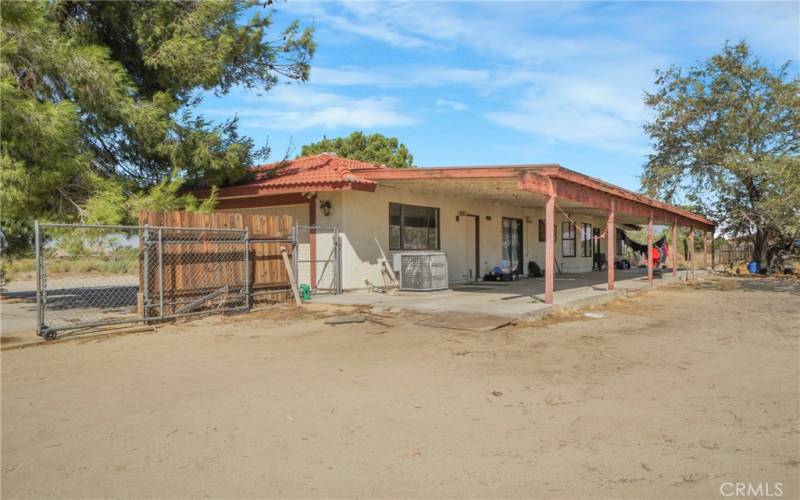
point(295, 254)
point(160, 274)
point(146, 272)
point(338, 263)
point(39, 302)
point(247, 268)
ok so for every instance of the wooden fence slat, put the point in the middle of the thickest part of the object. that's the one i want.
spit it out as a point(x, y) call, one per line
point(190, 268)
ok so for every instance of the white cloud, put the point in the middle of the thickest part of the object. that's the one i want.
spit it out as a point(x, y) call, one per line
point(591, 109)
point(562, 71)
point(296, 108)
point(583, 88)
point(451, 105)
point(572, 122)
point(362, 19)
point(408, 76)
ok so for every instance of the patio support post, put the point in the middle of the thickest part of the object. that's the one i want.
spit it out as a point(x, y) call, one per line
point(611, 246)
point(713, 230)
point(650, 251)
point(549, 252)
point(675, 248)
point(690, 259)
point(705, 250)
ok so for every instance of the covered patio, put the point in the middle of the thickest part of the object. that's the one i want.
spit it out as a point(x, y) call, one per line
point(563, 195)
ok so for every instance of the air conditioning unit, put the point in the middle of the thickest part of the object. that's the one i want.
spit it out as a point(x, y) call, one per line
point(423, 271)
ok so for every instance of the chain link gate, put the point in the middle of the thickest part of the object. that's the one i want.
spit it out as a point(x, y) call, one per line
point(96, 275)
point(319, 263)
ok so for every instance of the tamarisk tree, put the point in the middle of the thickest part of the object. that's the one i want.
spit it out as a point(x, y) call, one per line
point(99, 101)
point(726, 139)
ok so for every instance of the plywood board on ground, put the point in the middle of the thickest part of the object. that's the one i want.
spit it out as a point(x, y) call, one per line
point(462, 321)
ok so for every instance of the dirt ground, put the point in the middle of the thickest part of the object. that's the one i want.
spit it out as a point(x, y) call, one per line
point(670, 395)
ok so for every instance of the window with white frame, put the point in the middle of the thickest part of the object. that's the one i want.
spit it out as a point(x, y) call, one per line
point(568, 246)
point(586, 240)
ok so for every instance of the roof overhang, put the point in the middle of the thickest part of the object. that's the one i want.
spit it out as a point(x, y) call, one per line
point(527, 185)
point(256, 190)
point(565, 184)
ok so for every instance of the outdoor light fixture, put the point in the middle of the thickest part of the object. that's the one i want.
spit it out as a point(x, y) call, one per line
point(325, 206)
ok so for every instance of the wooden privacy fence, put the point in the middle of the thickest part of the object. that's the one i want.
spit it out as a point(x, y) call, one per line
point(730, 254)
point(191, 265)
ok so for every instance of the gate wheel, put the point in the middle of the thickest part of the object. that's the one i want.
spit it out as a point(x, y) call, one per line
point(48, 333)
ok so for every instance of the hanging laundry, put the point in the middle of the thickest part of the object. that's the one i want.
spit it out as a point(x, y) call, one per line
point(642, 248)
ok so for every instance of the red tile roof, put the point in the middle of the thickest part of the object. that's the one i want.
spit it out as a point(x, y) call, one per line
point(322, 172)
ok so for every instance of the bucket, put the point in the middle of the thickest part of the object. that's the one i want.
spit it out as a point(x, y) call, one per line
point(753, 267)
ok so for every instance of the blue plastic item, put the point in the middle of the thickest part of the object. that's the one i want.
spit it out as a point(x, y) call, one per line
point(753, 267)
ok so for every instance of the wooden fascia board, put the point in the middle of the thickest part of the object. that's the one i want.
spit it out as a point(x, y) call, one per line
point(542, 183)
point(439, 173)
point(262, 201)
point(236, 191)
point(533, 183)
point(663, 212)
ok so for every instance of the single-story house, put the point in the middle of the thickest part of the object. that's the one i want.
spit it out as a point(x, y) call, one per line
point(477, 216)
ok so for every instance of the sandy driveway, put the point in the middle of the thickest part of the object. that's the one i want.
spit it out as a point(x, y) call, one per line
point(670, 395)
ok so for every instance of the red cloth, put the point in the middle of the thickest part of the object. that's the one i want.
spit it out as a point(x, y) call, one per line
point(656, 257)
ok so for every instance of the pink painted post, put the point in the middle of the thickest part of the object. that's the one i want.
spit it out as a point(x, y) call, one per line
point(611, 246)
point(549, 241)
point(650, 251)
point(690, 257)
point(675, 248)
point(312, 240)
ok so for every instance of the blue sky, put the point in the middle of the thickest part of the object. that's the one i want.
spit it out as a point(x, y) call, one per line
point(499, 83)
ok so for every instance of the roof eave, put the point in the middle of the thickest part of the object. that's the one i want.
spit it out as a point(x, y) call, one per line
point(593, 183)
point(256, 190)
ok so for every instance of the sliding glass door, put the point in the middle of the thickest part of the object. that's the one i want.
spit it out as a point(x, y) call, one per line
point(512, 243)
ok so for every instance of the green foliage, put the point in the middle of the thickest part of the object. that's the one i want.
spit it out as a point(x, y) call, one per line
point(727, 138)
point(375, 148)
point(99, 100)
point(119, 263)
point(115, 201)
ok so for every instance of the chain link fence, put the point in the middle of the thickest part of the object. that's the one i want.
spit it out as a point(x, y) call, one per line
point(319, 263)
point(91, 275)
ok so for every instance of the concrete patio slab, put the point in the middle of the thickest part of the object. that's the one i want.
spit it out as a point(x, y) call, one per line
point(517, 299)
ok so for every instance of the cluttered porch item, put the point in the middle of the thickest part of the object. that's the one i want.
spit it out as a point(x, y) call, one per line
point(502, 272)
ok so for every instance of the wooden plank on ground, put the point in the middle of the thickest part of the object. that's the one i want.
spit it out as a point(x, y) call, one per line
point(288, 265)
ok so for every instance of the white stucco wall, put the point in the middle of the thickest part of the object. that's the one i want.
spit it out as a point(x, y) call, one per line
point(362, 216)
